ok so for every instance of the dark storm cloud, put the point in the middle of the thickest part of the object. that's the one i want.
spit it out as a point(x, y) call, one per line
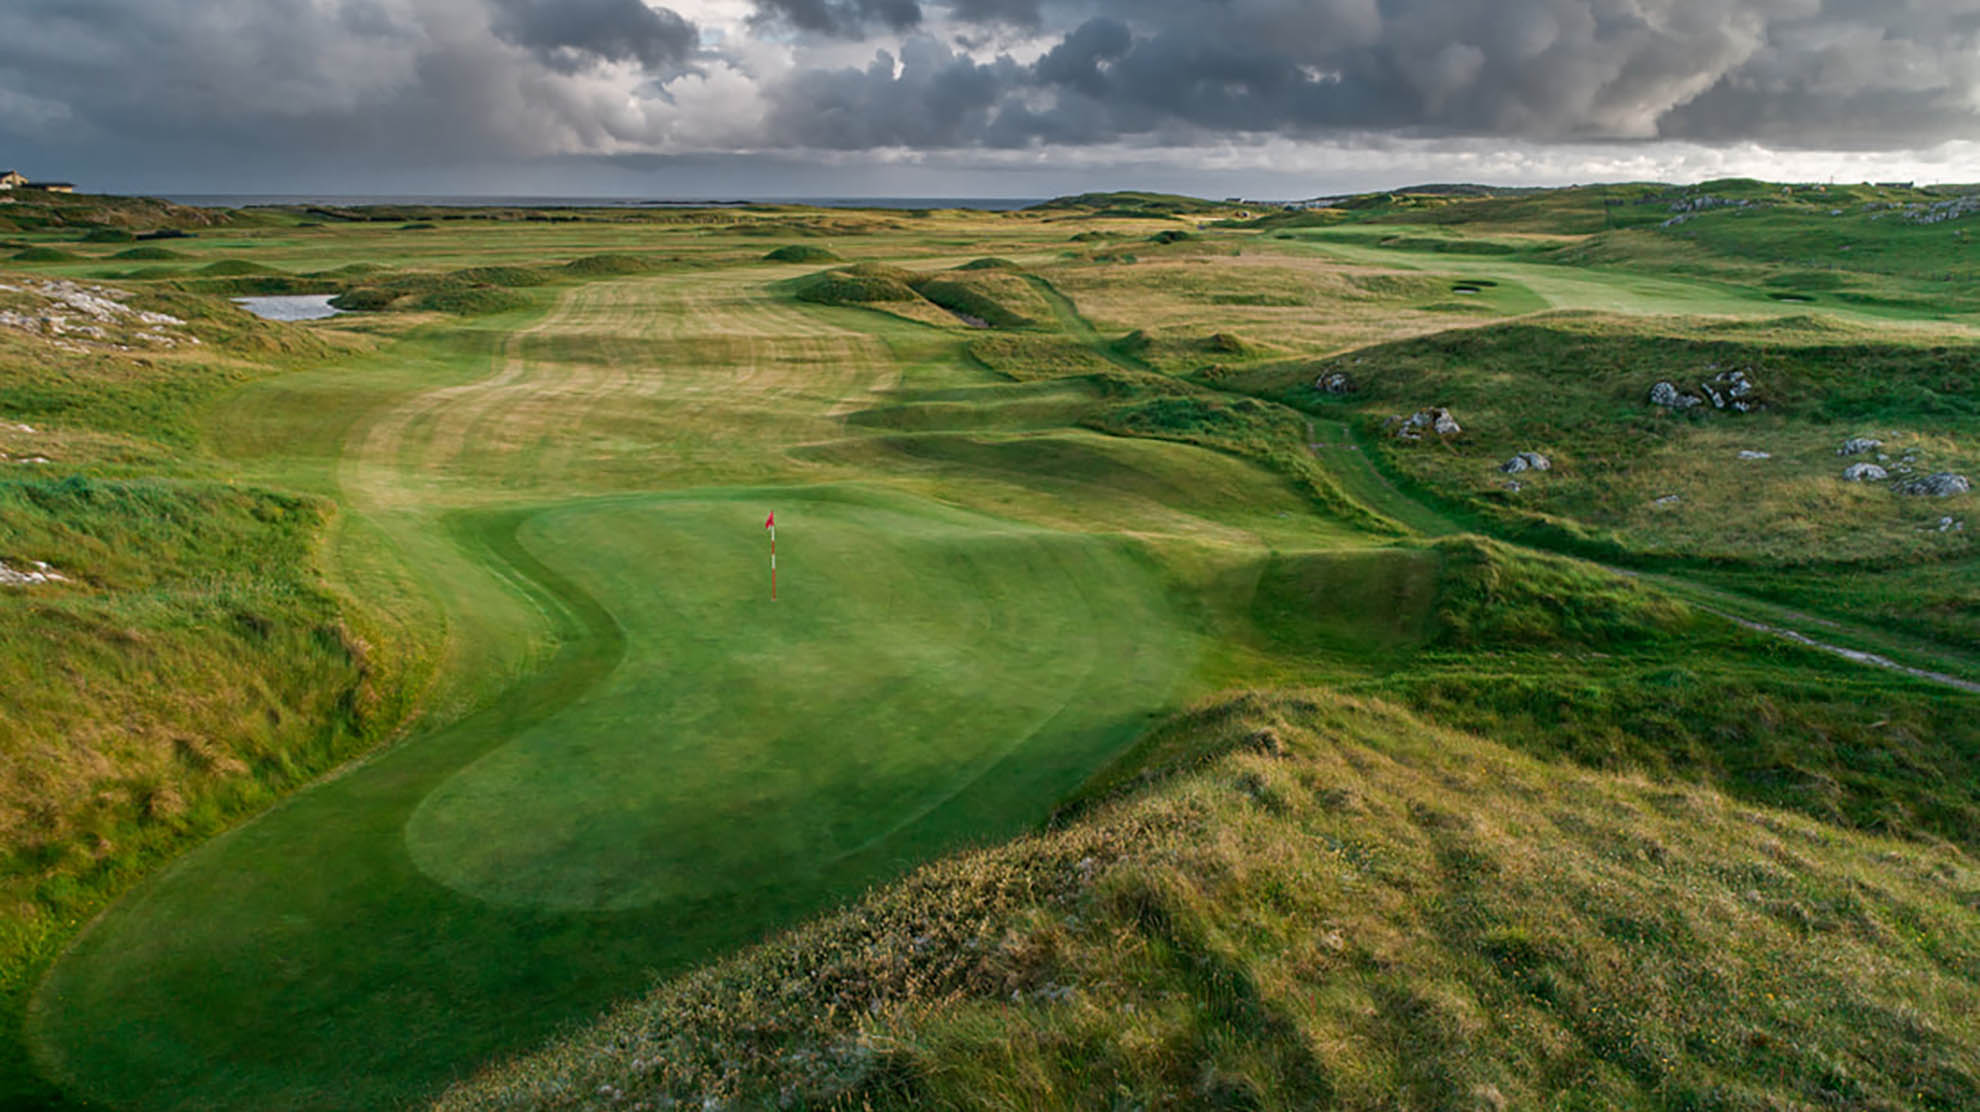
point(244, 81)
point(854, 18)
point(938, 98)
point(1789, 72)
point(197, 84)
point(569, 34)
point(841, 17)
point(1015, 13)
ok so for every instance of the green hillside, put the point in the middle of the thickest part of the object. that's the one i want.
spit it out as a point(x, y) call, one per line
point(1313, 658)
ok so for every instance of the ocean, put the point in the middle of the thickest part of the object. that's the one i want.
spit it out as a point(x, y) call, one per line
point(243, 200)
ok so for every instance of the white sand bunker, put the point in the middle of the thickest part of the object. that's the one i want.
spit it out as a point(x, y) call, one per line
point(37, 572)
point(71, 310)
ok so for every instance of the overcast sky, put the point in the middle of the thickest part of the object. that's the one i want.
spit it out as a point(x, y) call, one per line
point(978, 98)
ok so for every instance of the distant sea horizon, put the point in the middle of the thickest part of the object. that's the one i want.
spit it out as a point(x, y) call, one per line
point(246, 200)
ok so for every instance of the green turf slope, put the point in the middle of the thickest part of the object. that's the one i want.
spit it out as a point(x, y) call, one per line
point(696, 764)
point(742, 744)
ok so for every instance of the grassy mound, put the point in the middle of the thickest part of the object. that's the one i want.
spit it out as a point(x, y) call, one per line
point(151, 254)
point(235, 268)
point(468, 301)
point(999, 299)
point(44, 255)
point(801, 253)
point(989, 264)
point(986, 296)
point(864, 284)
point(611, 265)
point(365, 299)
point(1339, 905)
point(512, 277)
point(474, 291)
point(108, 235)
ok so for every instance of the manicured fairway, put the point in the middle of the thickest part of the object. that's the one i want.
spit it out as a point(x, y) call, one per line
point(663, 765)
point(1611, 289)
point(694, 767)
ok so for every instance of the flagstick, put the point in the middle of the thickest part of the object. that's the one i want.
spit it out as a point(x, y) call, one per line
point(773, 563)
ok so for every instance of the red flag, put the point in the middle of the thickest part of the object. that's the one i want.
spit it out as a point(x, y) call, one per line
point(771, 521)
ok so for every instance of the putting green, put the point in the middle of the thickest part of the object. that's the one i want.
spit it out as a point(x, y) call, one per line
point(693, 767)
point(741, 743)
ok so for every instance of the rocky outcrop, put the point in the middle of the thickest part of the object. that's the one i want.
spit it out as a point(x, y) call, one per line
point(1334, 382)
point(1864, 473)
point(1751, 454)
point(1526, 461)
point(1436, 419)
point(1942, 485)
point(1668, 396)
point(1734, 390)
point(1857, 445)
point(37, 572)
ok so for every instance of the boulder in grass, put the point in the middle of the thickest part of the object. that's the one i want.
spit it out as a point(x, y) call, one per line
point(1864, 473)
point(1857, 445)
point(1666, 395)
point(1942, 485)
point(1334, 382)
point(1526, 461)
point(1436, 419)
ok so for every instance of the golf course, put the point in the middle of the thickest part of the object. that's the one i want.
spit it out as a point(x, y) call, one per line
point(1134, 714)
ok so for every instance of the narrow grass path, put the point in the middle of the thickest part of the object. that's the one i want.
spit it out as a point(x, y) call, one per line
point(1076, 325)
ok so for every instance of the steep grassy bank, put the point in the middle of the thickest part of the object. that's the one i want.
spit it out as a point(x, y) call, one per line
point(1340, 905)
point(184, 662)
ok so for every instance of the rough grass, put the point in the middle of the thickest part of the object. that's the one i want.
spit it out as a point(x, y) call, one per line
point(1000, 300)
point(988, 297)
point(1345, 906)
point(1576, 389)
point(801, 253)
point(189, 669)
point(151, 254)
point(201, 591)
point(611, 265)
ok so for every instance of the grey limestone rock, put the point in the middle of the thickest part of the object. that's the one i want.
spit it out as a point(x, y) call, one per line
point(1942, 485)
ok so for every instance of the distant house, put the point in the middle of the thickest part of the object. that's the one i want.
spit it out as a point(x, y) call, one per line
point(51, 186)
point(10, 179)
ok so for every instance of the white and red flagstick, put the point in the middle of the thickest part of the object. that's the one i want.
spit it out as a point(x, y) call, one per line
point(770, 523)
